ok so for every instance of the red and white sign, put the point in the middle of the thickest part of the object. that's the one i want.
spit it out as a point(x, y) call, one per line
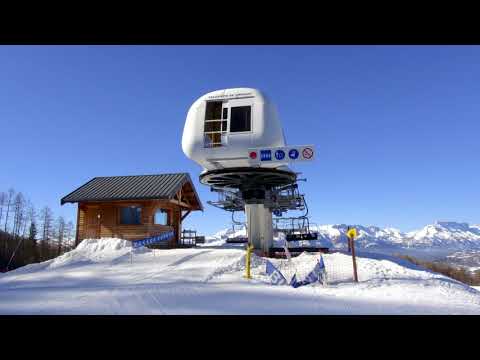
point(307, 153)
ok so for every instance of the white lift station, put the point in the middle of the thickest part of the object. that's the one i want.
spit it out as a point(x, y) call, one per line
point(237, 137)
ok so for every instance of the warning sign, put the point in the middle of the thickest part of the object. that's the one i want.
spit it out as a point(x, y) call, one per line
point(285, 154)
point(307, 153)
point(352, 233)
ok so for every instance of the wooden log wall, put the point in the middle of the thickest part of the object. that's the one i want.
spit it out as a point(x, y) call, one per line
point(102, 219)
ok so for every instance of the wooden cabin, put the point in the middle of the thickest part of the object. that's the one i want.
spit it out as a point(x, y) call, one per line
point(134, 207)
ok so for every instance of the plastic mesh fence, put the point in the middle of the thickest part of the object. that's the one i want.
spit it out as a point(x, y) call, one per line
point(338, 266)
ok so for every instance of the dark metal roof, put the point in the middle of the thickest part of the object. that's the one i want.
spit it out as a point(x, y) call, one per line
point(135, 187)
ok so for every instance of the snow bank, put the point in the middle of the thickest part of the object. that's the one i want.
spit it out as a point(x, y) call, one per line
point(89, 251)
point(93, 250)
point(99, 278)
point(105, 245)
point(339, 268)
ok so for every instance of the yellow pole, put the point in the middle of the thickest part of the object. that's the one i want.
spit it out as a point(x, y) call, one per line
point(247, 265)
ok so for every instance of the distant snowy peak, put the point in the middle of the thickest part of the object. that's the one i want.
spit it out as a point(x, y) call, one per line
point(447, 233)
point(228, 233)
point(444, 234)
point(441, 233)
point(367, 235)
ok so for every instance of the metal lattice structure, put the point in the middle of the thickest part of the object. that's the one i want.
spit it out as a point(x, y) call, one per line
point(277, 199)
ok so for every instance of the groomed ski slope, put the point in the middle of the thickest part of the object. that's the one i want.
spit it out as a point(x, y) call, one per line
point(99, 278)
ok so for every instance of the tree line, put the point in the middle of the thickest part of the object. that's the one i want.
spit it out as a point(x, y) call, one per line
point(29, 236)
point(459, 273)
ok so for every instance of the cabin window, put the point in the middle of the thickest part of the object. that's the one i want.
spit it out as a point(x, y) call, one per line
point(215, 124)
point(240, 118)
point(131, 215)
point(161, 217)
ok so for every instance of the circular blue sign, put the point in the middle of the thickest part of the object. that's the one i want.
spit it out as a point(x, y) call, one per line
point(293, 154)
point(279, 154)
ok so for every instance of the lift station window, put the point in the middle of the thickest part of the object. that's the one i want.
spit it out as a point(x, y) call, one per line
point(240, 119)
point(215, 123)
point(214, 110)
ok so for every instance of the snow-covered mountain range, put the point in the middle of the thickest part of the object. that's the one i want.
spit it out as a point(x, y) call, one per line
point(451, 235)
point(440, 235)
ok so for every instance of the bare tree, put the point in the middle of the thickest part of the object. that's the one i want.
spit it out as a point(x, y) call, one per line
point(18, 214)
point(30, 236)
point(3, 237)
point(11, 193)
point(27, 236)
point(69, 235)
point(3, 201)
point(60, 233)
point(46, 223)
point(18, 210)
point(27, 217)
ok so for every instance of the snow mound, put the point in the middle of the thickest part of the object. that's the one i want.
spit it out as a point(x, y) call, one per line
point(372, 267)
point(89, 251)
point(97, 246)
point(238, 265)
point(93, 250)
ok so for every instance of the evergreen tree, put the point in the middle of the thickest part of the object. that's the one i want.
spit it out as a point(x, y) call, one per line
point(32, 237)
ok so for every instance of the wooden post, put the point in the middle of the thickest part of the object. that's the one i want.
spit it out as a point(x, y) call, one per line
point(78, 225)
point(355, 276)
point(351, 235)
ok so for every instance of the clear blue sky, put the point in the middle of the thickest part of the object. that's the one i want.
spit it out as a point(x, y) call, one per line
point(396, 127)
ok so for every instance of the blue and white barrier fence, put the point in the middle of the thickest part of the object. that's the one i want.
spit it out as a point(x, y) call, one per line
point(164, 237)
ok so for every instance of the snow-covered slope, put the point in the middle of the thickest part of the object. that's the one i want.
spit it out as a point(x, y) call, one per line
point(99, 277)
